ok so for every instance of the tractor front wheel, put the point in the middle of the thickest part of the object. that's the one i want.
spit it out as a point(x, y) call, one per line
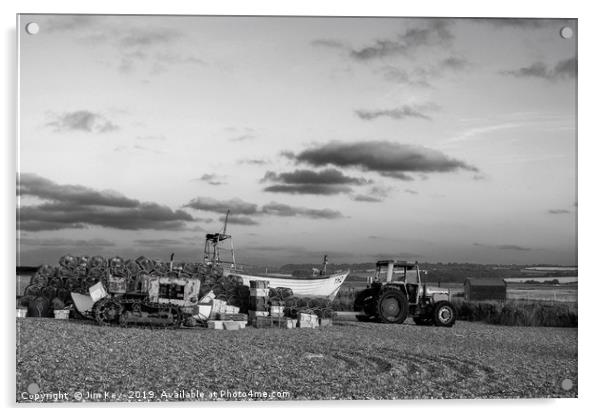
point(392, 307)
point(444, 314)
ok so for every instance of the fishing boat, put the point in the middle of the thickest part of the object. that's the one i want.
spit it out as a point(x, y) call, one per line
point(319, 284)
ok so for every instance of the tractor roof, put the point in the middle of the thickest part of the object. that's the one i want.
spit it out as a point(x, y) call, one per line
point(395, 263)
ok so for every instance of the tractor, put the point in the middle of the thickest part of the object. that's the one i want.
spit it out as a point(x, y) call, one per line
point(396, 291)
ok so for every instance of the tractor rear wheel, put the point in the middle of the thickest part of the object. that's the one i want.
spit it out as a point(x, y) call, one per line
point(444, 314)
point(392, 307)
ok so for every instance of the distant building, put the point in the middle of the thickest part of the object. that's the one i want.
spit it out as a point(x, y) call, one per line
point(484, 289)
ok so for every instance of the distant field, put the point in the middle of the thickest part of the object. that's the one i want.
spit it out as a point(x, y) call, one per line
point(348, 361)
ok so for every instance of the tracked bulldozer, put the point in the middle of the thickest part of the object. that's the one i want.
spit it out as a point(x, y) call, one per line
point(396, 292)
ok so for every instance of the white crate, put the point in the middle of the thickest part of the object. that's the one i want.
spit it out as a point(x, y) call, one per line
point(97, 292)
point(215, 324)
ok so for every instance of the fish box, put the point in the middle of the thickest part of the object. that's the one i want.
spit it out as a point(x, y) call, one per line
point(277, 311)
point(260, 293)
point(262, 322)
point(231, 325)
point(259, 284)
point(325, 322)
point(307, 320)
point(219, 306)
point(97, 292)
point(255, 314)
point(213, 324)
point(61, 314)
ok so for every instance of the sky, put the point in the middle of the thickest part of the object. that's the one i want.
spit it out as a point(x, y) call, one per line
point(449, 140)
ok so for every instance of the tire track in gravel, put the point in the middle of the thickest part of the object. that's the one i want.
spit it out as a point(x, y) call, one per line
point(441, 370)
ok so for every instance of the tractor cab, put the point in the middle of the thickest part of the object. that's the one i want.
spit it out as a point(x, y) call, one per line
point(390, 271)
point(401, 273)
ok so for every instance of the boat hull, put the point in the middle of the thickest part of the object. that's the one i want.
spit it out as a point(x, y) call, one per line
point(320, 286)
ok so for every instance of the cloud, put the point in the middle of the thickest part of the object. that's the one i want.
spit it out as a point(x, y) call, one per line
point(423, 76)
point(147, 37)
point(75, 206)
point(558, 211)
point(366, 198)
point(328, 43)
point(34, 185)
point(564, 69)
point(435, 33)
point(304, 181)
point(212, 179)
point(82, 120)
point(410, 191)
point(375, 194)
point(283, 210)
point(399, 113)
point(242, 138)
point(236, 206)
point(257, 162)
point(56, 216)
point(239, 220)
point(511, 247)
point(243, 212)
point(386, 158)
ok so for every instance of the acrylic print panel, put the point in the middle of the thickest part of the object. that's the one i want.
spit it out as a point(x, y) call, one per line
point(380, 208)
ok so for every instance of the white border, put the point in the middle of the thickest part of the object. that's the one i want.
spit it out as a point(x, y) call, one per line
point(589, 187)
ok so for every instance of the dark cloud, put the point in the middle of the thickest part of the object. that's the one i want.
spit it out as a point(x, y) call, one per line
point(564, 69)
point(325, 182)
point(366, 198)
point(559, 211)
point(82, 120)
point(283, 210)
point(435, 33)
point(386, 158)
point(511, 247)
point(212, 179)
point(236, 206)
point(75, 206)
point(243, 212)
point(311, 189)
point(410, 191)
point(55, 216)
point(29, 184)
point(399, 113)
